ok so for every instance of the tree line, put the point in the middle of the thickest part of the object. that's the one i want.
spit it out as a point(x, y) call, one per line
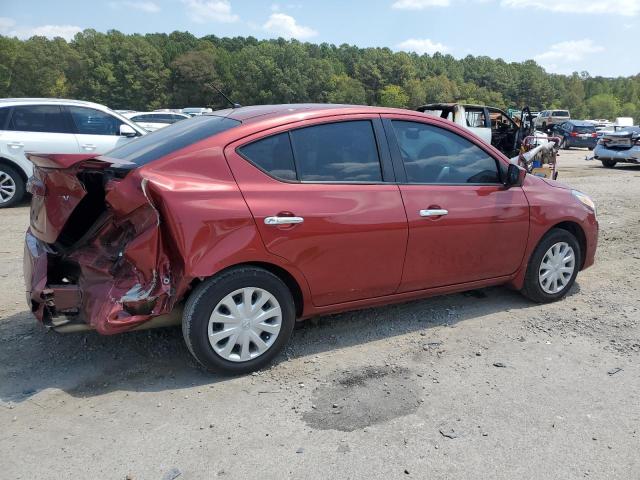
point(145, 72)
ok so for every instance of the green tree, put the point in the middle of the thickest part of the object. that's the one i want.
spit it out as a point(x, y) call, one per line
point(192, 75)
point(603, 105)
point(344, 89)
point(40, 68)
point(416, 93)
point(393, 96)
point(630, 110)
point(158, 70)
point(441, 89)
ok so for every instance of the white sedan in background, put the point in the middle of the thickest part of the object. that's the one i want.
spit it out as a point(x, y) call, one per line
point(152, 121)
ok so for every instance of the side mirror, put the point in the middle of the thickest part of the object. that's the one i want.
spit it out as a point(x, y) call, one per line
point(127, 131)
point(513, 176)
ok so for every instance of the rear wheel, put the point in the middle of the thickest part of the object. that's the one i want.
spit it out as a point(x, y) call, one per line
point(238, 321)
point(553, 267)
point(609, 163)
point(12, 186)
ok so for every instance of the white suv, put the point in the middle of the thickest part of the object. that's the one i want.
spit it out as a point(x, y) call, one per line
point(49, 125)
point(549, 118)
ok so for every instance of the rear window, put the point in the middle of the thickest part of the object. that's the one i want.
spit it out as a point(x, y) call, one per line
point(560, 113)
point(172, 138)
point(584, 129)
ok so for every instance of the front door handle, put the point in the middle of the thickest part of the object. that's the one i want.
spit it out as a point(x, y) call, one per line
point(89, 146)
point(282, 220)
point(15, 144)
point(436, 212)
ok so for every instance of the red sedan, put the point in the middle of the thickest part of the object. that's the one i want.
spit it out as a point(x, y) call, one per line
point(241, 222)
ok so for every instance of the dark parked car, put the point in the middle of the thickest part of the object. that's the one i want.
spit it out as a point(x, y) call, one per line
point(256, 217)
point(575, 133)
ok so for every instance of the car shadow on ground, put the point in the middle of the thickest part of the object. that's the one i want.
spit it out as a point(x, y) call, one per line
point(83, 365)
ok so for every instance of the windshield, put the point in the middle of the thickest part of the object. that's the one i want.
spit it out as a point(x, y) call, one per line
point(584, 129)
point(174, 137)
point(560, 113)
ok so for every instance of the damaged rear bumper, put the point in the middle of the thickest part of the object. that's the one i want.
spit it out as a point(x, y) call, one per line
point(114, 278)
point(64, 308)
point(46, 301)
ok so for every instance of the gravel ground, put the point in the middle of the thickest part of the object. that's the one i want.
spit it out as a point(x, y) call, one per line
point(467, 386)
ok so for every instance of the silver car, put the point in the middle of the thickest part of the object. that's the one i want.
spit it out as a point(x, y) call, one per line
point(622, 146)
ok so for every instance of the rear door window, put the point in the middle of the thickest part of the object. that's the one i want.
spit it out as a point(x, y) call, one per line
point(337, 152)
point(39, 118)
point(434, 155)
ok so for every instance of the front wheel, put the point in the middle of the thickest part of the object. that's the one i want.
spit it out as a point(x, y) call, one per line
point(609, 163)
point(238, 321)
point(553, 267)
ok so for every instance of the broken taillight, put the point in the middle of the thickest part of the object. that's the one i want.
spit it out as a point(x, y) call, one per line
point(36, 187)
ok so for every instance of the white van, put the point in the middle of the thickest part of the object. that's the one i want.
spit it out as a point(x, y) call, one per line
point(624, 122)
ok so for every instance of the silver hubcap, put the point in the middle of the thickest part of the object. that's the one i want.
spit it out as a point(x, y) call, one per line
point(7, 187)
point(557, 268)
point(245, 324)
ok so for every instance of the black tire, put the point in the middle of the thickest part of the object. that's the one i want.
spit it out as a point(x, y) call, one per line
point(207, 295)
point(18, 183)
point(564, 144)
point(591, 148)
point(532, 288)
point(609, 163)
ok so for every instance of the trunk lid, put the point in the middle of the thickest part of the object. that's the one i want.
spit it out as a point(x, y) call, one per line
point(65, 186)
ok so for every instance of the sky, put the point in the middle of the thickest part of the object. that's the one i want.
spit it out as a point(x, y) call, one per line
point(599, 36)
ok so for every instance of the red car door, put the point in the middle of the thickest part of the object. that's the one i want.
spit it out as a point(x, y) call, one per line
point(321, 198)
point(464, 225)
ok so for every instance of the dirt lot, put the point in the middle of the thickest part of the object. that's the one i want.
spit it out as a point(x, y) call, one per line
point(406, 391)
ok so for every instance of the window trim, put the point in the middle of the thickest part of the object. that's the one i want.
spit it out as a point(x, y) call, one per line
point(387, 171)
point(398, 161)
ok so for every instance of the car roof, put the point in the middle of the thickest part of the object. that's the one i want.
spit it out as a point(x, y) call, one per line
point(5, 102)
point(301, 111)
point(133, 114)
point(440, 106)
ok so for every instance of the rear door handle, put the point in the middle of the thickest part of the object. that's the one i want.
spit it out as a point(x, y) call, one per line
point(437, 212)
point(89, 146)
point(282, 220)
